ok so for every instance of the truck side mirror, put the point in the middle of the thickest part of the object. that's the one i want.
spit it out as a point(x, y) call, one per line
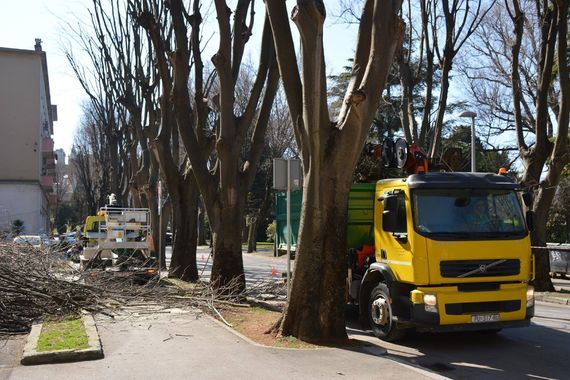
point(389, 215)
point(530, 220)
point(527, 198)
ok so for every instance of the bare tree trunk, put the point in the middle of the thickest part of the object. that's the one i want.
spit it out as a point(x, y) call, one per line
point(251, 234)
point(553, 20)
point(542, 280)
point(260, 217)
point(442, 103)
point(227, 268)
point(429, 49)
point(407, 114)
point(165, 217)
point(319, 284)
point(184, 211)
point(201, 224)
point(315, 310)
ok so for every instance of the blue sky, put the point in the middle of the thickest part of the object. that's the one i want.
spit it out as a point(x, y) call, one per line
point(23, 21)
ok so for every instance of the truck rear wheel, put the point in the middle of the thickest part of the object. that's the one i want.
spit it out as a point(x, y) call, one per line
point(380, 315)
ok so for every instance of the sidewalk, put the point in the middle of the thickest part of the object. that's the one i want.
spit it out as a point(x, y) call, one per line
point(186, 346)
point(560, 296)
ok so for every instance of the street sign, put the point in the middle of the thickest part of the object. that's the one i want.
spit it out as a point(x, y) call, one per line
point(287, 176)
point(280, 174)
point(159, 195)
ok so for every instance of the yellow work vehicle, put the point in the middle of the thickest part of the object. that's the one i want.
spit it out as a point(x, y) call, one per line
point(118, 236)
point(91, 227)
point(451, 252)
point(435, 251)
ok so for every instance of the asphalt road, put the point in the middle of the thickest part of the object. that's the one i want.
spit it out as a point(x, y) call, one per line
point(259, 266)
point(541, 351)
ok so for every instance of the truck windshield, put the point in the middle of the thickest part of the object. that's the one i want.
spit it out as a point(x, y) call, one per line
point(468, 214)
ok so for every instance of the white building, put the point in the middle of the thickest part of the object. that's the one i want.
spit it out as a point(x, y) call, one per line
point(27, 171)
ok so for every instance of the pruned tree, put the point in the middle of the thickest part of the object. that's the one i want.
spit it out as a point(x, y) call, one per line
point(80, 160)
point(90, 158)
point(155, 19)
point(279, 142)
point(125, 72)
point(421, 75)
point(223, 185)
point(329, 151)
point(519, 77)
point(544, 154)
point(105, 118)
point(487, 69)
point(460, 20)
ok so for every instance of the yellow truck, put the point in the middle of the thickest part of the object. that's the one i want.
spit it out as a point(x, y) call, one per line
point(451, 252)
point(434, 251)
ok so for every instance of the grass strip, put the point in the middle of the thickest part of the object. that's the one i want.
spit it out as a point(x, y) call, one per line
point(68, 334)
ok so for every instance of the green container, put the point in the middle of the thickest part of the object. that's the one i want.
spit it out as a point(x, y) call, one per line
point(360, 226)
point(281, 221)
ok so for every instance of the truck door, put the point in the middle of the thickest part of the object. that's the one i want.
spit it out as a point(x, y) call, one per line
point(392, 234)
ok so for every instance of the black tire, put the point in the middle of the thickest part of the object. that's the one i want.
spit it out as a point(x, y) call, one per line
point(380, 315)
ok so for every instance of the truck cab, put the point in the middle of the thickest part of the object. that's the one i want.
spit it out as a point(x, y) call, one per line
point(451, 253)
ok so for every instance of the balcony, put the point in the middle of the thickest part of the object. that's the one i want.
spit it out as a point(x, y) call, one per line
point(47, 183)
point(47, 145)
point(49, 167)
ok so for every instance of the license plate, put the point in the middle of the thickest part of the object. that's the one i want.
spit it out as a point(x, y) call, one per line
point(485, 318)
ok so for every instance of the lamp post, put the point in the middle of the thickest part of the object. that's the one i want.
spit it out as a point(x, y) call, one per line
point(472, 115)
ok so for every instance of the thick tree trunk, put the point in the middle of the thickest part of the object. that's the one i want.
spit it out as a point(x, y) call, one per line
point(201, 224)
point(543, 202)
point(227, 268)
point(407, 114)
point(251, 234)
point(154, 221)
point(263, 210)
point(319, 279)
point(542, 281)
point(165, 217)
point(542, 206)
point(184, 211)
point(442, 104)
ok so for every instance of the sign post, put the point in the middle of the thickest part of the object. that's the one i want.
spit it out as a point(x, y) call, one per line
point(287, 175)
point(159, 196)
point(288, 229)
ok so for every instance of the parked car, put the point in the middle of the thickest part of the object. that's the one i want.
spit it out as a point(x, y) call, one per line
point(64, 242)
point(36, 241)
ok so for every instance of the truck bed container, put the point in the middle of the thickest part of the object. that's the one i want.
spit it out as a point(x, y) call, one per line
point(360, 225)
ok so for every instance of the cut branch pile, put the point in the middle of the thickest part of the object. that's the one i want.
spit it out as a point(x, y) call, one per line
point(35, 284)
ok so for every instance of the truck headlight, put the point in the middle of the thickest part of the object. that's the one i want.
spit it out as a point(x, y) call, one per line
point(430, 302)
point(529, 296)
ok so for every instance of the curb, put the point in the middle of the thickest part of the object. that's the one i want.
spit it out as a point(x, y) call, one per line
point(33, 357)
point(268, 305)
point(371, 349)
point(556, 300)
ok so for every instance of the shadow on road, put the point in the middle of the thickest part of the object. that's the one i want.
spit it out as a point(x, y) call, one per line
point(534, 352)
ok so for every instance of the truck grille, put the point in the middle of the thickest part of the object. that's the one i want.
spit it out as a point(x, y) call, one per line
point(480, 268)
point(482, 307)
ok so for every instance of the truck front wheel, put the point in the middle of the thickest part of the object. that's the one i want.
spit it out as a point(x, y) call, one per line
point(380, 315)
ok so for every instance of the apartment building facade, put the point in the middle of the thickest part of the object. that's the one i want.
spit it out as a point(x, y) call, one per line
point(27, 161)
